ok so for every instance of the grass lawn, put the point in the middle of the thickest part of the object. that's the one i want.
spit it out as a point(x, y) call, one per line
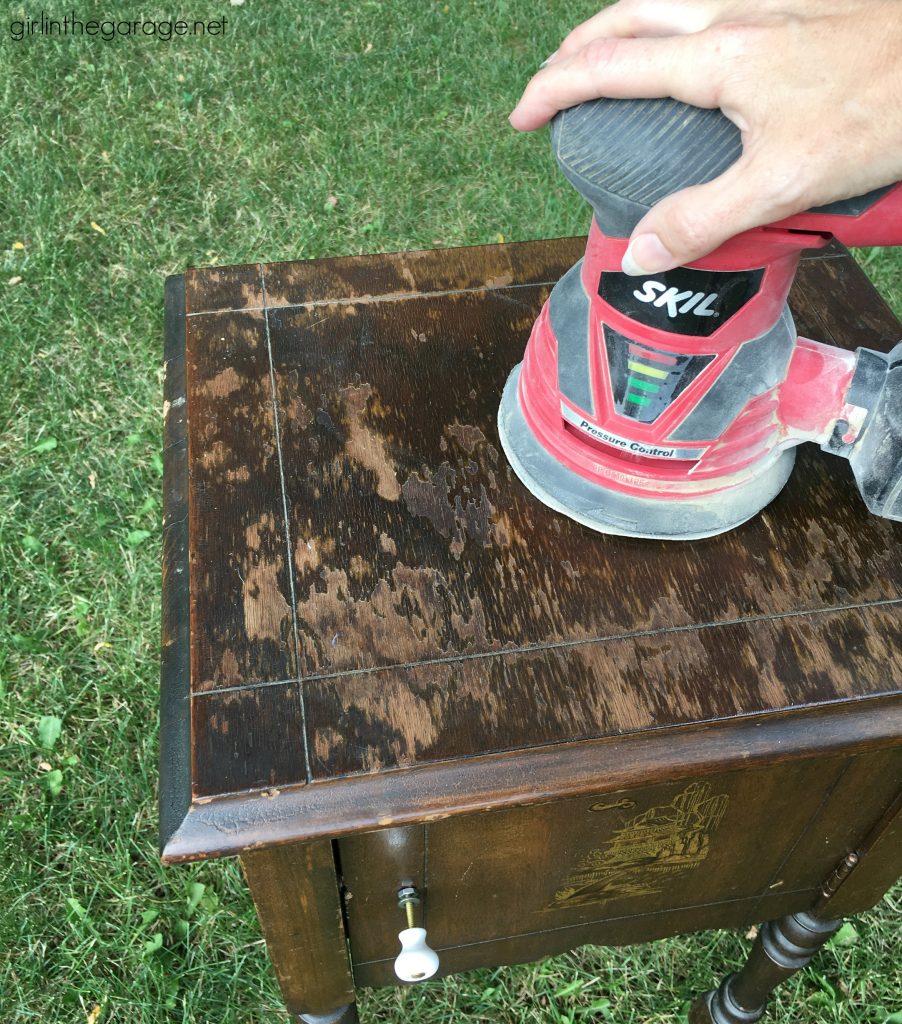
point(122, 162)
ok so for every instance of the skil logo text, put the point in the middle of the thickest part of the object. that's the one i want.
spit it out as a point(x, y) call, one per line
point(677, 302)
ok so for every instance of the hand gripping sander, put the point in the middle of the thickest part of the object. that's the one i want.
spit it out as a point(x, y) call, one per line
point(670, 406)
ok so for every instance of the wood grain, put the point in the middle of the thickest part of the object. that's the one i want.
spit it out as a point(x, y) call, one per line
point(622, 932)
point(216, 827)
point(416, 547)
point(211, 289)
point(296, 895)
point(369, 280)
point(449, 709)
point(417, 607)
point(414, 541)
point(247, 739)
point(879, 868)
point(392, 651)
point(241, 617)
point(175, 640)
point(374, 866)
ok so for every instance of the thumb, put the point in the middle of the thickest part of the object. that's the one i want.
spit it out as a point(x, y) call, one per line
point(692, 223)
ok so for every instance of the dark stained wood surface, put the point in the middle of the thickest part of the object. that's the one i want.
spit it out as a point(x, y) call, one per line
point(620, 932)
point(414, 541)
point(241, 622)
point(374, 866)
point(247, 739)
point(841, 824)
point(781, 948)
point(637, 851)
point(295, 891)
point(879, 868)
point(372, 589)
point(175, 644)
point(652, 680)
point(215, 827)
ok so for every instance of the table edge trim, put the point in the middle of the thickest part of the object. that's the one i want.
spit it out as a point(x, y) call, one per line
point(225, 826)
point(175, 649)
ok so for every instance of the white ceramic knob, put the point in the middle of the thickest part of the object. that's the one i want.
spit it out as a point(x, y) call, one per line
point(416, 961)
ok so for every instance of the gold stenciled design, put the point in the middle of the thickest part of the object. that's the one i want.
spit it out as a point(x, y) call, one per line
point(618, 805)
point(663, 840)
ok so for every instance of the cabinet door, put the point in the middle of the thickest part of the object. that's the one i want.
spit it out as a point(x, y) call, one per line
point(643, 854)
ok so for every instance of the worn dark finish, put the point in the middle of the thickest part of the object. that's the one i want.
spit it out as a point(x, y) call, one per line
point(879, 864)
point(223, 288)
point(646, 852)
point(782, 948)
point(375, 865)
point(234, 728)
point(296, 895)
point(439, 612)
point(583, 691)
point(382, 636)
point(623, 931)
point(175, 718)
point(215, 828)
point(869, 784)
point(241, 624)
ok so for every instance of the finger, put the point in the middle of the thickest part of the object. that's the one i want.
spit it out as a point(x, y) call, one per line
point(643, 18)
point(694, 222)
point(677, 66)
point(622, 19)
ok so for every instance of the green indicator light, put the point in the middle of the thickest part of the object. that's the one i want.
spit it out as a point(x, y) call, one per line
point(637, 399)
point(644, 385)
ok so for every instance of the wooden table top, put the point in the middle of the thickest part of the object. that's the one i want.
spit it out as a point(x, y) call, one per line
point(371, 618)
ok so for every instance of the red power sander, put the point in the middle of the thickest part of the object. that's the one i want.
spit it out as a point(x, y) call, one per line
point(669, 406)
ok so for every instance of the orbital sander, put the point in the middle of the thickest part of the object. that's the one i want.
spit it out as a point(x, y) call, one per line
point(670, 406)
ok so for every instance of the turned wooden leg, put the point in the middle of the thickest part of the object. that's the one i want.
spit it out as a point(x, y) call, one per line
point(295, 890)
point(343, 1015)
point(781, 949)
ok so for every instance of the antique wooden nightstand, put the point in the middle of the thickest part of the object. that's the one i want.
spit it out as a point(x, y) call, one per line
point(386, 664)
